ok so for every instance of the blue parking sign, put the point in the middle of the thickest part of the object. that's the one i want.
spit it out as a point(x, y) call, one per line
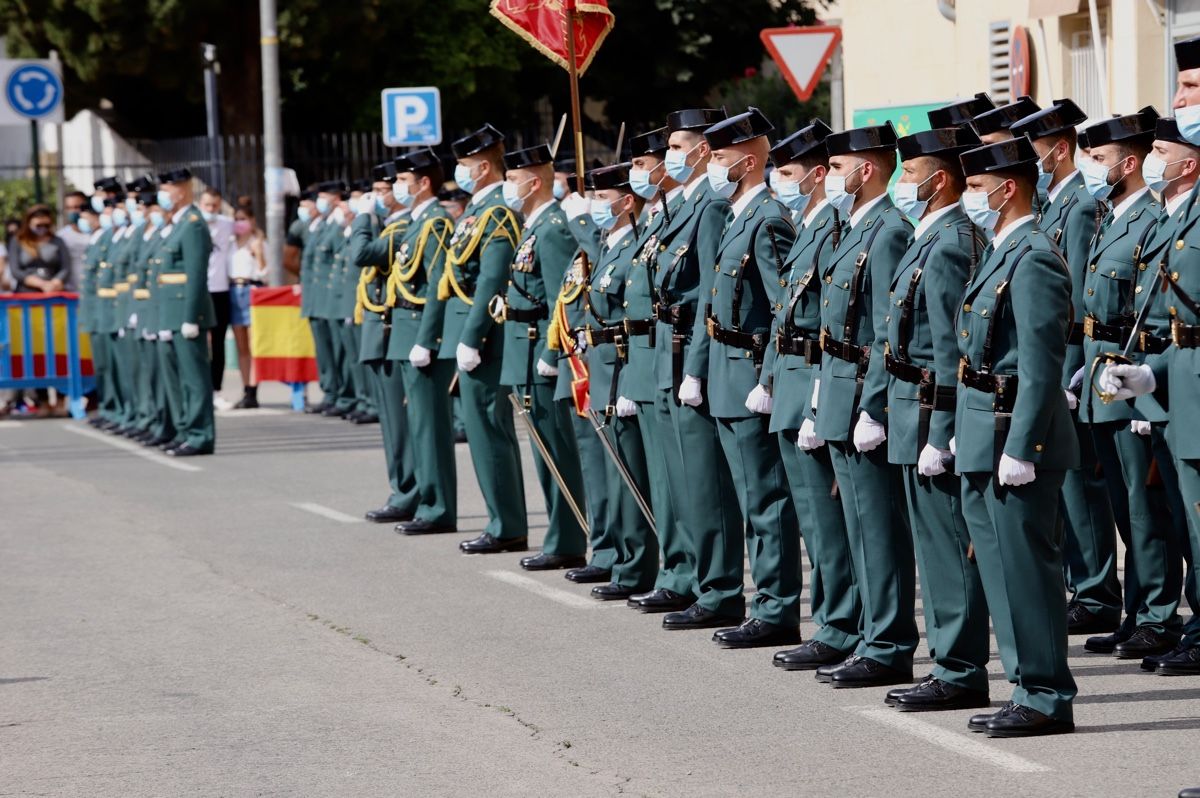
point(412, 117)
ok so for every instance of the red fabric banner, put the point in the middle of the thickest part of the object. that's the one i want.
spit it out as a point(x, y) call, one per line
point(543, 23)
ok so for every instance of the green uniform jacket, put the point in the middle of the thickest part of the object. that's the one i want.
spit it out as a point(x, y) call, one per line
point(416, 325)
point(1028, 341)
point(344, 293)
point(89, 282)
point(1109, 295)
point(104, 318)
point(925, 294)
point(185, 253)
point(1153, 406)
point(542, 258)
point(606, 293)
point(149, 262)
point(1070, 222)
point(791, 376)
point(884, 234)
point(369, 248)
point(638, 382)
point(125, 273)
point(325, 245)
point(308, 267)
point(749, 288)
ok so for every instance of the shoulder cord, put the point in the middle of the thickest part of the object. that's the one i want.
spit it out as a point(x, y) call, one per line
point(506, 227)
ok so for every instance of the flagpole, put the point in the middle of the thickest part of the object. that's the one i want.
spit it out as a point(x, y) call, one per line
point(576, 120)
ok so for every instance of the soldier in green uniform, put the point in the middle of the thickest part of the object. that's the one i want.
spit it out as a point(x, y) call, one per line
point(364, 410)
point(745, 295)
point(343, 295)
point(850, 399)
point(117, 317)
point(185, 309)
point(141, 189)
point(475, 269)
point(792, 361)
point(921, 358)
point(528, 368)
point(1070, 218)
point(160, 426)
point(315, 265)
point(1014, 437)
point(100, 312)
point(330, 246)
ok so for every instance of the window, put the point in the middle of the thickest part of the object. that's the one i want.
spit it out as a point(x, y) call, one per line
point(999, 42)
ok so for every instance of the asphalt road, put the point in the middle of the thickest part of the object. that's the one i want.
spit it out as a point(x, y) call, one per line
point(227, 626)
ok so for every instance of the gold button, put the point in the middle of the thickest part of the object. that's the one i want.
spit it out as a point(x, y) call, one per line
point(1137, 290)
point(625, 304)
point(967, 308)
point(783, 283)
point(965, 333)
point(1092, 268)
point(749, 354)
point(717, 268)
point(1113, 273)
point(828, 279)
point(846, 284)
point(1174, 275)
point(714, 292)
point(662, 247)
point(826, 303)
point(1179, 244)
point(887, 318)
point(629, 282)
point(778, 306)
point(1038, 447)
point(984, 313)
point(1091, 292)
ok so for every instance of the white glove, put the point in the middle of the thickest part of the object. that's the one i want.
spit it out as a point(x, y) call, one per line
point(348, 322)
point(366, 203)
point(625, 407)
point(148, 336)
point(815, 393)
point(120, 332)
point(132, 320)
point(1126, 382)
point(1014, 472)
point(189, 330)
point(689, 392)
point(165, 335)
point(544, 369)
point(581, 341)
point(868, 433)
point(1076, 380)
point(806, 436)
point(932, 461)
point(419, 356)
point(953, 447)
point(1072, 400)
point(468, 357)
point(1139, 426)
point(759, 401)
point(574, 206)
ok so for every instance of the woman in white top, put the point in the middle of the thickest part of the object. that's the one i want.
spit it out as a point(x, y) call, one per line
point(247, 269)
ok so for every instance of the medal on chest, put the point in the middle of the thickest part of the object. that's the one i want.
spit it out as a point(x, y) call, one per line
point(525, 256)
point(607, 278)
point(574, 275)
point(648, 249)
point(401, 255)
point(462, 231)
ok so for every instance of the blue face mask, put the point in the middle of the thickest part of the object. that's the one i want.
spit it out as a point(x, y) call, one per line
point(1044, 177)
point(788, 191)
point(512, 194)
point(303, 213)
point(1095, 178)
point(208, 216)
point(835, 191)
point(639, 181)
point(119, 217)
point(602, 215)
point(560, 190)
point(84, 225)
point(1188, 121)
point(323, 205)
point(718, 178)
point(677, 165)
point(382, 210)
point(106, 222)
point(164, 200)
point(907, 198)
point(97, 203)
point(462, 176)
point(138, 216)
point(130, 205)
point(157, 219)
point(401, 194)
point(977, 206)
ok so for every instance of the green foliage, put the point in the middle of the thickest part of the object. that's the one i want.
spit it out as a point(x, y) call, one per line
point(771, 94)
point(16, 195)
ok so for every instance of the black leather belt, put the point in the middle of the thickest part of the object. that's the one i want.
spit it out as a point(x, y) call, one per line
point(1002, 386)
point(526, 315)
point(246, 281)
point(808, 348)
point(678, 316)
point(638, 326)
point(754, 342)
point(404, 304)
point(1152, 344)
point(604, 335)
point(903, 370)
point(939, 397)
point(1185, 336)
point(842, 350)
point(1075, 334)
point(1105, 332)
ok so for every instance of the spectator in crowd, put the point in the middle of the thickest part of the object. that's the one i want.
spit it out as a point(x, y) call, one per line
point(11, 226)
point(74, 234)
point(221, 229)
point(247, 270)
point(297, 235)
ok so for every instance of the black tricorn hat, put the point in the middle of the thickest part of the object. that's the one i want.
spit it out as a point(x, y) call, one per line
point(699, 119)
point(947, 142)
point(417, 160)
point(875, 137)
point(147, 197)
point(616, 176)
point(332, 187)
point(107, 184)
point(998, 157)
point(746, 126)
point(362, 184)
point(1187, 53)
point(1139, 127)
point(113, 202)
point(1165, 129)
point(482, 139)
point(566, 166)
point(960, 112)
point(809, 140)
point(530, 156)
point(175, 176)
point(652, 142)
point(1059, 116)
point(1003, 117)
point(1083, 141)
point(384, 172)
point(308, 194)
point(146, 182)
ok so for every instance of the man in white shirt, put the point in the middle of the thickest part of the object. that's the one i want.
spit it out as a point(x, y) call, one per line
point(76, 239)
point(221, 229)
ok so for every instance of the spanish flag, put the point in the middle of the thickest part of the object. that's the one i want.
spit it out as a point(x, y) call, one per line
point(47, 336)
point(281, 343)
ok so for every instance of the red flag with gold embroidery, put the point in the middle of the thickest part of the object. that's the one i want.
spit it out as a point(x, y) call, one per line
point(543, 23)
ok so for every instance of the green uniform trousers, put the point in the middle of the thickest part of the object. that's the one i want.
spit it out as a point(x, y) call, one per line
point(116, 378)
point(1153, 574)
point(196, 426)
point(127, 353)
point(353, 372)
point(552, 423)
point(168, 370)
point(833, 593)
point(162, 424)
point(102, 367)
point(147, 384)
point(653, 442)
point(1088, 518)
point(398, 455)
point(677, 569)
point(1189, 490)
point(1179, 525)
point(956, 613)
point(323, 348)
point(430, 439)
point(595, 481)
point(636, 543)
point(1017, 547)
point(881, 551)
point(488, 418)
point(345, 397)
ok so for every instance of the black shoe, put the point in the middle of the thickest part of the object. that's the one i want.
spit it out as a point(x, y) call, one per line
point(486, 544)
point(156, 441)
point(612, 592)
point(387, 515)
point(824, 673)
point(869, 673)
point(978, 723)
point(1184, 663)
point(1082, 621)
point(1146, 642)
point(419, 527)
point(460, 437)
point(367, 418)
point(696, 617)
point(352, 416)
point(1022, 721)
point(755, 633)
point(588, 574)
point(333, 411)
point(187, 450)
point(894, 694)
point(934, 695)
point(249, 400)
point(317, 409)
point(1105, 644)
point(660, 600)
point(96, 421)
point(553, 562)
point(808, 656)
point(1190, 792)
point(171, 444)
point(1151, 663)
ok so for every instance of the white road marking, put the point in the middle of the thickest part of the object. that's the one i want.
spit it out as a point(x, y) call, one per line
point(132, 448)
point(545, 591)
point(238, 412)
point(956, 742)
point(326, 512)
point(9, 424)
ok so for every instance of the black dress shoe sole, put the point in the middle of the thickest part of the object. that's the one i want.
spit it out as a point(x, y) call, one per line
point(611, 596)
point(555, 566)
point(773, 641)
point(500, 548)
point(712, 623)
point(1041, 731)
point(1171, 670)
point(413, 532)
point(1157, 652)
point(957, 703)
point(887, 681)
point(398, 518)
point(1093, 649)
point(810, 665)
point(657, 608)
point(590, 580)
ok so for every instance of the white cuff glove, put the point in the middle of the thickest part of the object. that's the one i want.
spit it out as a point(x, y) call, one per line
point(120, 332)
point(1076, 380)
point(189, 330)
point(544, 369)
point(759, 401)
point(132, 320)
point(815, 394)
point(868, 433)
point(165, 335)
point(932, 461)
point(148, 336)
point(1139, 426)
point(953, 448)
point(625, 407)
point(689, 392)
point(468, 357)
point(806, 436)
point(419, 356)
point(1072, 400)
point(1014, 472)
point(581, 341)
point(1126, 381)
point(574, 206)
point(366, 203)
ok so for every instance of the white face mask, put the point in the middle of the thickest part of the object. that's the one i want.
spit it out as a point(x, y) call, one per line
point(338, 216)
point(835, 191)
point(718, 178)
point(907, 198)
point(977, 206)
point(513, 197)
point(1154, 172)
point(788, 191)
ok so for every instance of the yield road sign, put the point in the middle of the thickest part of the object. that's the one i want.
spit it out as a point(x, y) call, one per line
point(33, 91)
point(412, 117)
point(802, 54)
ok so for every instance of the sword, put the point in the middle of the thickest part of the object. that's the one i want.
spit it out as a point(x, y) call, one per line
point(562, 124)
point(620, 143)
point(598, 424)
point(1123, 357)
point(523, 414)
